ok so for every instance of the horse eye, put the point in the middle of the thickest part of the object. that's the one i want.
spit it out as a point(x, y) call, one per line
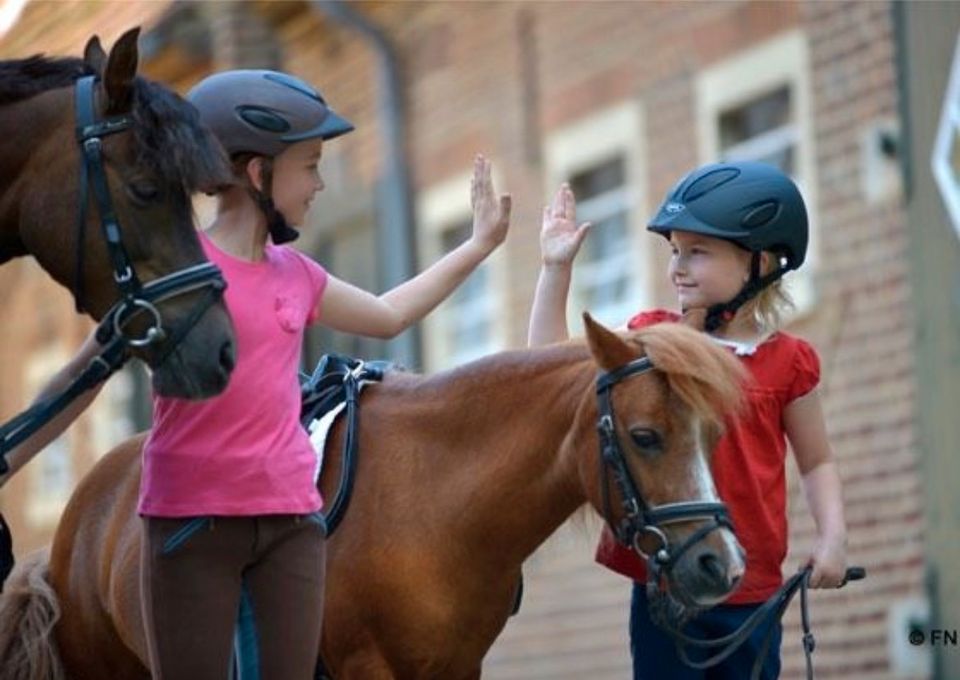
point(143, 192)
point(648, 440)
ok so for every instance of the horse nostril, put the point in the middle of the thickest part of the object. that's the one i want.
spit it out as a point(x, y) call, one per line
point(227, 356)
point(710, 564)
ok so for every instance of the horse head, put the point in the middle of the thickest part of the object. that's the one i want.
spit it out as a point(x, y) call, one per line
point(132, 255)
point(662, 397)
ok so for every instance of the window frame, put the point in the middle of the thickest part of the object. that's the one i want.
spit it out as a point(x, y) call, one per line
point(583, 145)
point(441, 207)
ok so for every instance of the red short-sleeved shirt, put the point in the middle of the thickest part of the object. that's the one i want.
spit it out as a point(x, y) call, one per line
point(748, 463)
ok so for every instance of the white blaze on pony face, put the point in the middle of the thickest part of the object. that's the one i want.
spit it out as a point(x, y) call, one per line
point(706, 491)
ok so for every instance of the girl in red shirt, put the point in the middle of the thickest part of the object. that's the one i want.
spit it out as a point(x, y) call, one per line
point(734, 230)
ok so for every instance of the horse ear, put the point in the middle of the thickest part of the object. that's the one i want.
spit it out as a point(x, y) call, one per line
point(608, 349)
point(695, 319)
point(94, 56)
point(120, 71)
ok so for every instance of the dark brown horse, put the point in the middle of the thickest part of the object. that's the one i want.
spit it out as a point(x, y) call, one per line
point(153, 152)
point(461, 476)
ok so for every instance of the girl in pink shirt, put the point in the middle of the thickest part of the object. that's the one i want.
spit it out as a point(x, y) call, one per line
point(227, 496)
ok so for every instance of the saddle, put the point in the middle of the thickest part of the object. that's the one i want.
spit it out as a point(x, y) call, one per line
point(335, 384)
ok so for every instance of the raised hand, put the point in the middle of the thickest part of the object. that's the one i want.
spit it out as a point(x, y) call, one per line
point(560, 237)
point(491, 217)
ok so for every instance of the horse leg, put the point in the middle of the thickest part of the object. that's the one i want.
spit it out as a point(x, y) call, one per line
point(29, 608)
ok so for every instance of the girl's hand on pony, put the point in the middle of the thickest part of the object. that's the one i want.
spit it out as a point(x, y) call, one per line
point(560, 237)
point(491, 217)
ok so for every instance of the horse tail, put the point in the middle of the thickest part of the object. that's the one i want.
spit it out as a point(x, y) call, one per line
point(29, 609)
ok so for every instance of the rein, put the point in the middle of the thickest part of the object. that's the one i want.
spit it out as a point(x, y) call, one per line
point(770, 611)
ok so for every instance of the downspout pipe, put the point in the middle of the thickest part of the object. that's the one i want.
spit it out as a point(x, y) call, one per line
point(397, 236)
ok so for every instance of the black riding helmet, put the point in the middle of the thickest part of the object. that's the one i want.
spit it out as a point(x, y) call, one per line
point(754, 205)
point(264, 112)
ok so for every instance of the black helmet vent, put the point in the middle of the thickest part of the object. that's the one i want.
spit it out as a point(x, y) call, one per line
point(761, 214)
point(262, 118)
point(709, 182)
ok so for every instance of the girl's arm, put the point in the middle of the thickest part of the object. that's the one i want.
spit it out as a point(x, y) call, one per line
point(22, 454)
point(560, 240)
point(806, 430)
point(352, 310)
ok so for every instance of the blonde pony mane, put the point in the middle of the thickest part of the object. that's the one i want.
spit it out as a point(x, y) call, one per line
point(704, 375)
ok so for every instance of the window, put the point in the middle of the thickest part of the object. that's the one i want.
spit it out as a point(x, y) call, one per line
point(600, 157)
point(602, 278)
point(349, 252)
point(466, 326)
point(946, 149)
point(468, 315)
point(756, 106)
point(761, 129)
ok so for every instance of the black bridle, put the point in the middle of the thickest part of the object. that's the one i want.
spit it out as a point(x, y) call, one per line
point(135, 298)
point(639, 519)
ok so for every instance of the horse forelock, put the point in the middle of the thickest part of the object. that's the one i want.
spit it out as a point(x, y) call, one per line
point(705, 376)
point(174, 143)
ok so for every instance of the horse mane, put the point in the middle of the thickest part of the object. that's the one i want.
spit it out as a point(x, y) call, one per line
point(24, 78)
point(174, 143)
point(170, 138)
point(704, 375)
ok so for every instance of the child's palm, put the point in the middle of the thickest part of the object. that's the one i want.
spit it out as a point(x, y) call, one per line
point(560, 237)
point(491, 216)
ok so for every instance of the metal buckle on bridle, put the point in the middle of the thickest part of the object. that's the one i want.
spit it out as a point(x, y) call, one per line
point(124, 314)
point(662, 554)
point(126, 276)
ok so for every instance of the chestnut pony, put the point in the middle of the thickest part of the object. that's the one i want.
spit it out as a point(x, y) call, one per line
point(461, 476)
point(96, 170)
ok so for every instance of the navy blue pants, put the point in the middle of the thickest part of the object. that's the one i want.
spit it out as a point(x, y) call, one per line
point(655, 655)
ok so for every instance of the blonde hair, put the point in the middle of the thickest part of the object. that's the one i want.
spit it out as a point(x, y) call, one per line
point(767, 308)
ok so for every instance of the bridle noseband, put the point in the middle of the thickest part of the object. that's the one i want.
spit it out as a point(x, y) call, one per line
point(640, 519)
point(135, 298)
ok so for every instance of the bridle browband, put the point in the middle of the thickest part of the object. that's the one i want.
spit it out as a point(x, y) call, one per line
point(135, 298)
point(640, 519)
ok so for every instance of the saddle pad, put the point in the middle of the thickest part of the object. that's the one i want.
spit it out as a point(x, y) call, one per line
point(319, 429)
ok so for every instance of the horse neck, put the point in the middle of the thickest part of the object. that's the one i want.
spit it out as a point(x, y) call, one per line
point(36, 121)
point(512, 456)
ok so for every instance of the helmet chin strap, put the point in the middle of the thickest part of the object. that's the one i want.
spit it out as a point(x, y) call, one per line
point(280, 230)
point(722, 313)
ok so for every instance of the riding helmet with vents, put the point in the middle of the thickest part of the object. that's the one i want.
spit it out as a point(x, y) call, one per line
point(753, 204)
point(263, 112)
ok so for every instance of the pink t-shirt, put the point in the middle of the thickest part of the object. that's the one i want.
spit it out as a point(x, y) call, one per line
point(243, 452)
